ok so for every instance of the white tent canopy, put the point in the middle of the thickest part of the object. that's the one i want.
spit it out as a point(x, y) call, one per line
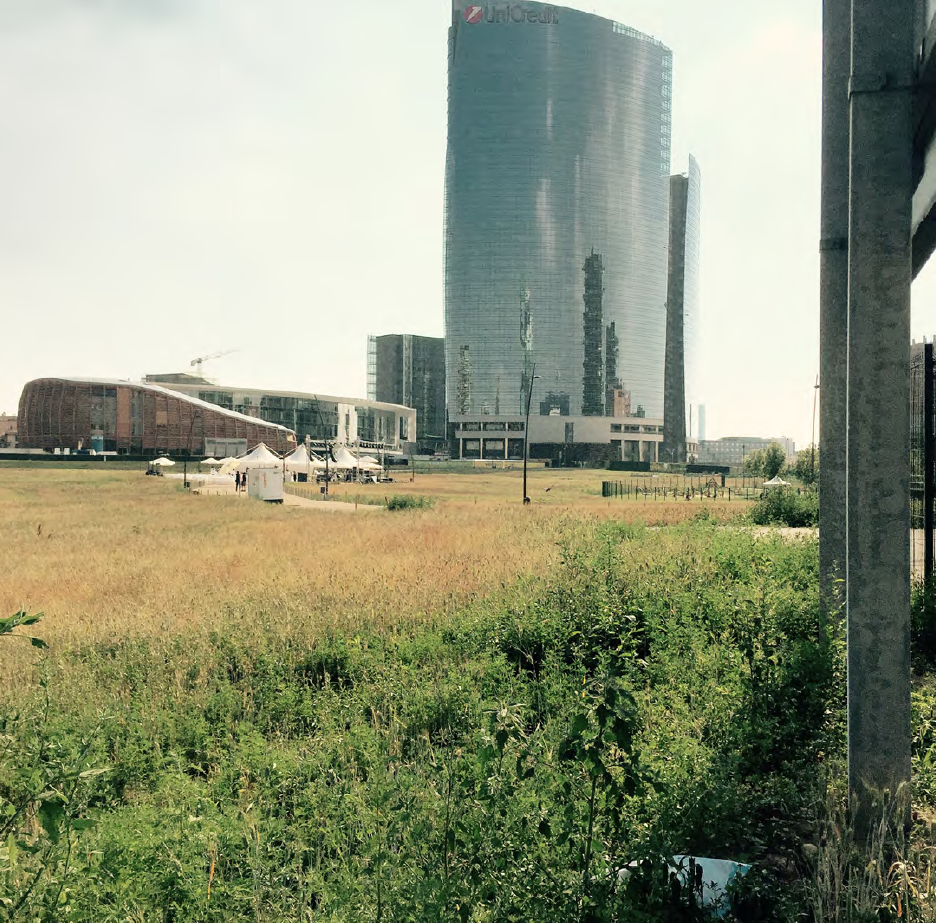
point(344, 459)
point(300, 460)
point(162, 462)
point(209, 461)
point(259, 457)
point(776, 481)
point(369, 463)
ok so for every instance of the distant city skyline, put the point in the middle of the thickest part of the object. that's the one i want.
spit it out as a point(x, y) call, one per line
point(181, 177)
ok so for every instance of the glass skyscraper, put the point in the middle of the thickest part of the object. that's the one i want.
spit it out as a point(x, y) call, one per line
point(556, 212)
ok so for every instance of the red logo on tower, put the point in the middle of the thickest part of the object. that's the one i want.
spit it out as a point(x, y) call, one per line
point(474, 13)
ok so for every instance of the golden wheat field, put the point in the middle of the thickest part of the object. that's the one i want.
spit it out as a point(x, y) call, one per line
point(112, 554)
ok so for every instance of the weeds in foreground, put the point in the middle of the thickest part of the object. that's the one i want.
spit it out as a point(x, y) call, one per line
point(659, 693)
point(888, 877)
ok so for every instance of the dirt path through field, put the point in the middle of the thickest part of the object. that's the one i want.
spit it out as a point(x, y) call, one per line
point(329, 506)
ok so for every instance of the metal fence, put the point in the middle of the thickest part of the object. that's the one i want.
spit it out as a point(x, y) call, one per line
point(680, 488)
point(922, 461)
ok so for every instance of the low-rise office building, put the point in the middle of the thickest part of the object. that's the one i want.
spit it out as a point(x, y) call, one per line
point(561, 439)
point(134, 418)
point(7, 431)
point(372, 425)
point(732, 450)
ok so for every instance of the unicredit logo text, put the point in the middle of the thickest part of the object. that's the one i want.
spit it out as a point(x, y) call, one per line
point(514, 13)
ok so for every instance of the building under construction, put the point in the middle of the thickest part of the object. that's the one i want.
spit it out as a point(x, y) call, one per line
point(134, 418)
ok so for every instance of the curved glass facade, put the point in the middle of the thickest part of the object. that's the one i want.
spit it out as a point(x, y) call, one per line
point(556, 211)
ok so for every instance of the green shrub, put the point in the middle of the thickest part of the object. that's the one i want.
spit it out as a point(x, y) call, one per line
point(409, 502)
point(781, 506)
point(923, 623)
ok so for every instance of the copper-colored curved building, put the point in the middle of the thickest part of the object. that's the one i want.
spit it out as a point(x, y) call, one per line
point(132, 418)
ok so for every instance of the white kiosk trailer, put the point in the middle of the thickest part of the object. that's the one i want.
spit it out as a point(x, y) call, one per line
point(265, 484)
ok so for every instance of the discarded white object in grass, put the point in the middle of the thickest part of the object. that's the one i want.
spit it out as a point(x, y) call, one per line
point(715, 876)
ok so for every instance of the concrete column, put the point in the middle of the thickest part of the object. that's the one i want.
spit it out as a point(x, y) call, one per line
point(833, 300)
point(877, 572)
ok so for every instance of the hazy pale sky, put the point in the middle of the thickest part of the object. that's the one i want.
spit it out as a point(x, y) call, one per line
point(179, 177)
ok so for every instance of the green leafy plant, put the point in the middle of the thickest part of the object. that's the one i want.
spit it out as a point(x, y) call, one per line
point(19, 620)
point(409, 502)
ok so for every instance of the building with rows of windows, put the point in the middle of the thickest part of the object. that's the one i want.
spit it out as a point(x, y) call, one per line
point(135, 418)
point(372, 425)
point(560, 439)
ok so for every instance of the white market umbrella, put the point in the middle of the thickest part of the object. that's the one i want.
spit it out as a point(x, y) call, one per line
point(209, 461)
point(162, 462)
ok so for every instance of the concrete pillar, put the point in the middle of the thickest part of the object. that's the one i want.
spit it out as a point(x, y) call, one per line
point(877, 572)
point(833, 300)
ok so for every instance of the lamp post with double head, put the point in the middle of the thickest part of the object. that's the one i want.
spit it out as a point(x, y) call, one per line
point(526, 433)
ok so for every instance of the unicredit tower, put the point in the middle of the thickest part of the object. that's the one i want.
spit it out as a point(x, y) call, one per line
point(556, 212)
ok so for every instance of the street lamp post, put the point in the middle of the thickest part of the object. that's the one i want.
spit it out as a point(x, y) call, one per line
point(812, 460)
point(188, 450)
point(526, 433)
point(323, 427)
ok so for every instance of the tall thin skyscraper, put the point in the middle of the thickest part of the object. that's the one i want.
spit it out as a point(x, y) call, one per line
point(556, 191)
point(681, 404)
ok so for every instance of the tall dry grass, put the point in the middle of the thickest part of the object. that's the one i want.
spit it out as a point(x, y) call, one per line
point(108, 555)
point(113, 555)
point(560, 489)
